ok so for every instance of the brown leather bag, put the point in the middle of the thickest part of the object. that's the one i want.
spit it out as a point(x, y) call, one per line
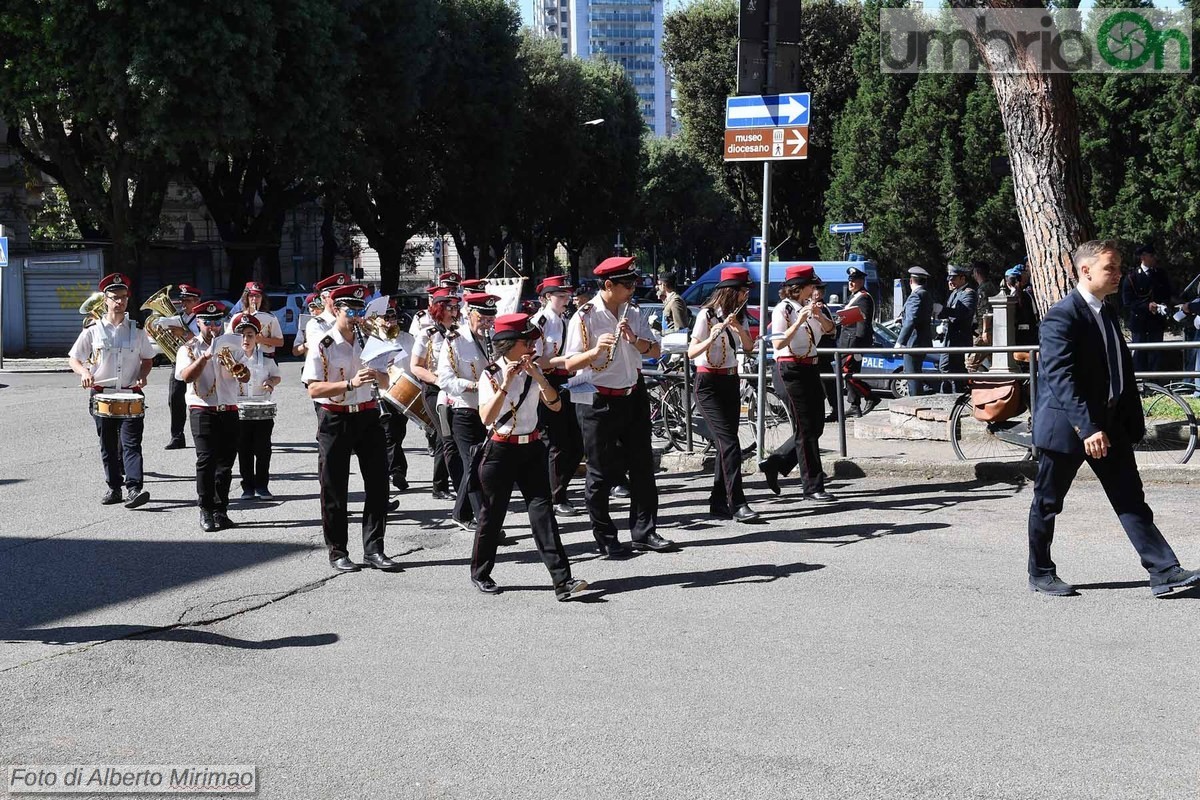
point(996, 401)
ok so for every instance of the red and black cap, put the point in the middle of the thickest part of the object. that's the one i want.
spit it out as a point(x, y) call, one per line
point(353, 295)
point(187, 290)
point(443, 295)
point(114, 281)
point(615, 269)
point(734, 278)
point(554, 283)
point(254, 287)
point(331, 283)
point(245, 320)
point(211, 310)
point(802, 275)
point(482, 302)
point(450, 280)
point(515, 326)
point(473, 285)
point(312, 300)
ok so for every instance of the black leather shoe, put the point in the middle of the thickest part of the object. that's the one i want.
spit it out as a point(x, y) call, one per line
point(566, 510)
point(223, 521)
point(344, 564)
point(247, 494)
point(1176, 578)
point(400, 484)
point(487, 586)
point(611, 548)
point(820, 497)
point(720, 510)
point(854, 411)
point(871, 405)
point(770, 474)
point(564, 590)
point(264, 493)
point(831, 416)
point(620, 490)
point(438, 494)
point(207, 523)
point(745, 513)
point(136, 497)
point(175, 444)
point(380, 561)
point(393, 505)
point(654, 542)
point(1051, 585)
point(111, 497)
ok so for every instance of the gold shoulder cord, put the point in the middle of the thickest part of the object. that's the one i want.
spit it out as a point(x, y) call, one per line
point(583, 335)
point(724, 344)
point(325, 369)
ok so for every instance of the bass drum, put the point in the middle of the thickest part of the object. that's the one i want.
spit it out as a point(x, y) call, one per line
point(405, 394)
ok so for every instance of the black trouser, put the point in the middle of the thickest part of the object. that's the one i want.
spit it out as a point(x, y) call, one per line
point(913, 364)
point(215, 434)
point(616, 434)
point(720, 404)
point(254, 452)
point(525, 465)
point(952, 362)
point(446, 465)
point(339, 436)
point(1145, 360)
point(856, 388)
point(467, 430)
point(395, 427)
point(565, 441)
point(829, 387)
point(1119, 476)
point(176, 399)
point(806, 400)
point(121, 450)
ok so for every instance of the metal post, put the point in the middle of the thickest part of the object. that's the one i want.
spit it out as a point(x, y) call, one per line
point(841, 406)
point(687, 400)
point(2, 271)
point(1033, 373)
point(763, 320)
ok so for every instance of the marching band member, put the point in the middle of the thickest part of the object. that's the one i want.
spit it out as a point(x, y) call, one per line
point(394, 421)
point(321, 323)
point(254, 302)
point(346, 392)
point(212, 372)
point(717, 334)
point(186, 327)
point(315, 306)
point(610, 335)
point(427, 346)
point(796, 328)
point(115, 353)
point(561, 426)
point(508, 403)
point(422, 319)
point(465, 355)
point(254, 435)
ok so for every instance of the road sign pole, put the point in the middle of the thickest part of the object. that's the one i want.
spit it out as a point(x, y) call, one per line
point(764, 278)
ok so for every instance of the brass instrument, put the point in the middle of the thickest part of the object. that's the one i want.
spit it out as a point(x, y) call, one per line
point(160, 306)
point(236, 369)
point(381, 328)
point(92, 309)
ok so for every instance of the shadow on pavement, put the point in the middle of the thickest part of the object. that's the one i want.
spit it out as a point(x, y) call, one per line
point(705, 579)
point(103, 633)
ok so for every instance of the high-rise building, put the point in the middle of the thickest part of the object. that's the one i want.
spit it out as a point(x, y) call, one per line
point(629, 32)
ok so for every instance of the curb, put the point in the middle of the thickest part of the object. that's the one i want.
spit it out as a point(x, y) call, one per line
point(991, 470)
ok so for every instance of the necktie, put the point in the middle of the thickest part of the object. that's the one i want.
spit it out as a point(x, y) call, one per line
point(1114, 353)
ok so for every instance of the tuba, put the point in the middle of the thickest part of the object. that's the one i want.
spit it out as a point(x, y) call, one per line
point(92, 309)
point(159, 305)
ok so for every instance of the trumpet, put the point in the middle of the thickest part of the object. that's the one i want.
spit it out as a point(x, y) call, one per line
point(236, 369)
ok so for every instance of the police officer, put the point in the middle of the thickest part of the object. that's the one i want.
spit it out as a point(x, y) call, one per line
point(958, 315)
point(427, 346)
point(186, 327)
point(858, 335)
point(254, 435)
point(914, 326)
point(465, 356)
point(212, 366)
point(610, 336)
point(1025, 317)
point(509, 396)
point(114, 354)
point(346, 393)
point(560, 426)
point(1146, 297)
point(797, 325)
point(717, 334)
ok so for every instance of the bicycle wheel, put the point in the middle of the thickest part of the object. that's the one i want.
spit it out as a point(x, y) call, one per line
point(674, 411)
point(777, 426)
point(660, 438)
point(1170, 427)
point(973, 440)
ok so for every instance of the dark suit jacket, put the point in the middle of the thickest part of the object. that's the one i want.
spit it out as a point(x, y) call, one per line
point(918, 313)
point(860, 334)
point(1072, 387)
point(959, 313)
point(1138, 290)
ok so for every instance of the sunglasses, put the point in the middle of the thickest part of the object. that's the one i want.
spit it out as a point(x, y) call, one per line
point(213, 323)
point(628, 283)
point(354, 313)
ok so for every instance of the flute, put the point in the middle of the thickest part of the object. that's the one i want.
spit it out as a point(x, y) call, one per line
point(362, 344)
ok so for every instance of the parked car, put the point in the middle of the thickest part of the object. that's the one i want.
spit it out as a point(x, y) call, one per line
point(883, 365)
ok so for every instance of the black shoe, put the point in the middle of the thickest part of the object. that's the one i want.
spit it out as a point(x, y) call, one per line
point(564, 590)
point(1176, 578)
point(344, 564)
point(1052, 585)
point(612, 548)
point(831, 416)
point(393, 505)
point(745, 513)
point(820, 497)
point(654, 542)
point(465, 525)
point(380, 561)
point(438, 494)
point(207, 523)
point(264, 494)
point(111, 497)
point(770, 474)
point(566, 510)
point(620, 490)
point(400, 484)
point(137, 497)
point(486, 585)
point(871, 405)
point(175, 444)
point(222, 519)
point(247, 494)
point(720, 510)
point(505, 540)
point(854, 411)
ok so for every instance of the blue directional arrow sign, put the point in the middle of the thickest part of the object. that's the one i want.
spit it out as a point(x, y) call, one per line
point(3, 251)
point(846, 227)
point(767, 111)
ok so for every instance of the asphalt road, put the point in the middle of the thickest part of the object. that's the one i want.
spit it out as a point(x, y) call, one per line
point(884, 647)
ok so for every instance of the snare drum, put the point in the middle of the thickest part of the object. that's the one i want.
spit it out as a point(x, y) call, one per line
point(119, 405)
point(251, 410)
point(406, 394)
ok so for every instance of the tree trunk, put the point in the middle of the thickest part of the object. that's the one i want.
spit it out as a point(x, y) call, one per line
point(390, 259)
point(329, 242)
point(1042, 126)
point(573, 256)
point(241, 266)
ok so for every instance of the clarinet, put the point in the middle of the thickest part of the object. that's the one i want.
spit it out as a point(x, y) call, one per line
point(362, 344)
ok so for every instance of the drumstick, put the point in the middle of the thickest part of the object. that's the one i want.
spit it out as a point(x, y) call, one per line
point(105, 382)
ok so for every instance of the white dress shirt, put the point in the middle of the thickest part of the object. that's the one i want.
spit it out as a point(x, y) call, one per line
point(262, 367)
point(525, 420)
point(721, 354)
point(460, 368)
point(618, 368)
point(215, 385)
point(806, 337)
point(116, 352)
point(270, 329)
point(1096, 305)
point(554, 333)
point(333, 358)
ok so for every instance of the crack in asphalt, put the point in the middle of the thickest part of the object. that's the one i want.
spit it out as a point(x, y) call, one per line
point(51, 536)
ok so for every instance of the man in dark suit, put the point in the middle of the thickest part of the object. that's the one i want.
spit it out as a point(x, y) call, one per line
point(1146, 296)
point(856, 335)
point(914, 327)
point(959, 316)
point(1088, 409)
